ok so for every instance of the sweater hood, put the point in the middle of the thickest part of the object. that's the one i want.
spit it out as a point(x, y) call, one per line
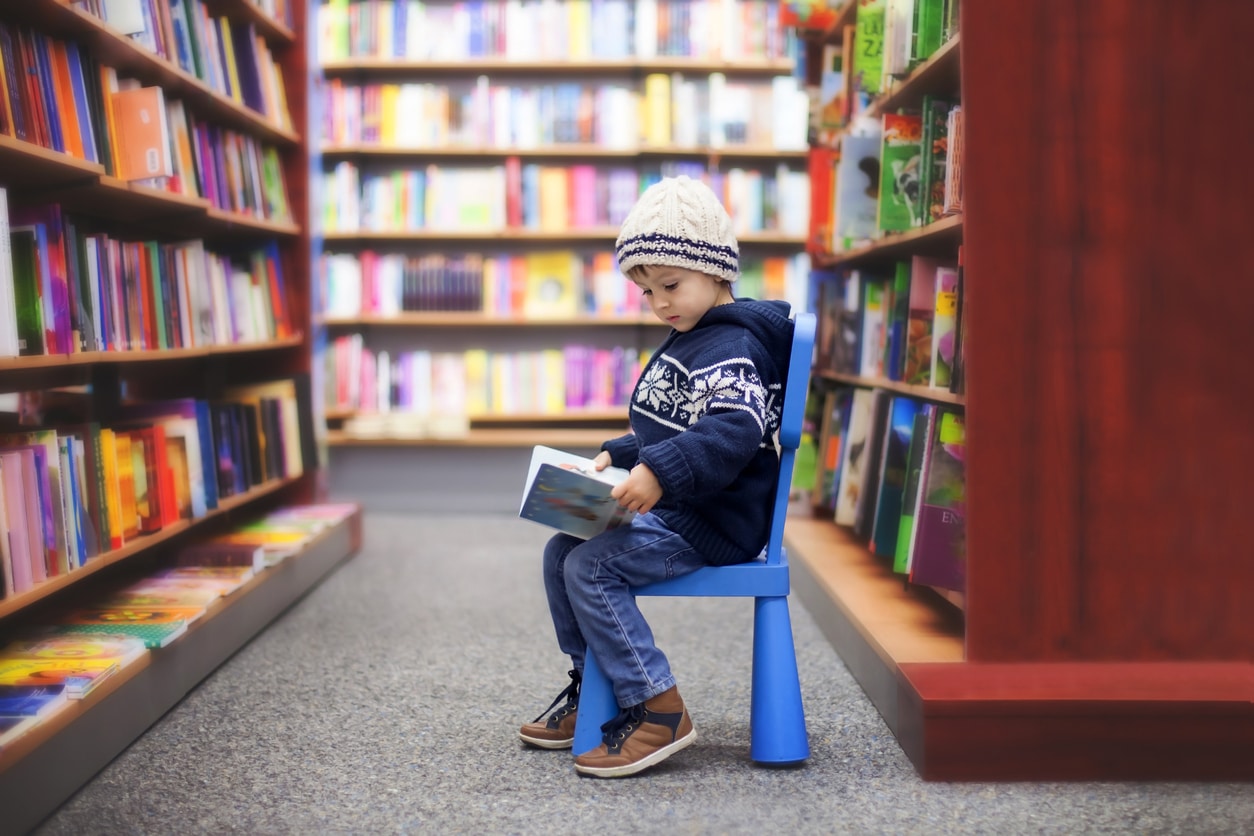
point(767, 321)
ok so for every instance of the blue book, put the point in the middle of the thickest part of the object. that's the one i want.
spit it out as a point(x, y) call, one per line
point(31, 700)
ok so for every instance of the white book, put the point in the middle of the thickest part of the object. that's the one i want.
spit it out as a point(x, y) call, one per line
point(8, 303)
point(565, 491)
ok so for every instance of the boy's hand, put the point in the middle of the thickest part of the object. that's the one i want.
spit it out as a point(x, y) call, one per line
point(601, 461)
point(640, 491)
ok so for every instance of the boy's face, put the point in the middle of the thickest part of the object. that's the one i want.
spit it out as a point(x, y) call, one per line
point(680, 297)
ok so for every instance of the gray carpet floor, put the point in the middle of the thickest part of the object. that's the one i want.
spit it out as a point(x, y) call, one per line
point(388, 700)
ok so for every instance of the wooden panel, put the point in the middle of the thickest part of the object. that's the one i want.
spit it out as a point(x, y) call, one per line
point(1066, 721)
point(1108, 296)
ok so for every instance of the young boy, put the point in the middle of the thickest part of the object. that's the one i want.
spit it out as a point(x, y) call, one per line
point(703, 467)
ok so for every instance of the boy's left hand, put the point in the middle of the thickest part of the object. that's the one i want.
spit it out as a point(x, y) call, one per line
point(640, 491)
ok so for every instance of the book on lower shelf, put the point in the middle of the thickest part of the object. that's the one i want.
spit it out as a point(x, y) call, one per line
point(566, 492)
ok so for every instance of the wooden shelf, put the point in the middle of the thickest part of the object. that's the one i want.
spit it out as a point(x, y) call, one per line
point(14, 604)
point(481, 438)
point(44, 768)
point(276, 34)
point(474, 319)
point(45, 362)
point(579, 150)
point(941, 237)
point(83, 188)
point(601, 235)
point(131, 60)
point(573, 416)
point(923, 393)
point(28, 165)
point(939, 75)
point(964, 721)
point(503, 66)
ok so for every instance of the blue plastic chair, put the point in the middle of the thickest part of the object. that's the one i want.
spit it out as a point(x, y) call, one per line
point(777, 719)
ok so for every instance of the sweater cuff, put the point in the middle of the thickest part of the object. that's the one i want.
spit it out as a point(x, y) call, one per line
point(670, 467)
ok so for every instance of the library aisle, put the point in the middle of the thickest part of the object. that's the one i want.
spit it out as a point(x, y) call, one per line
point(387, 701)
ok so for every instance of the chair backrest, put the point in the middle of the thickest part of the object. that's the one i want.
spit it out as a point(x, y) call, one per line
point(796, 389)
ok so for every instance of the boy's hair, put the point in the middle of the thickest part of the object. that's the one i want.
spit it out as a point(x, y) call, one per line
point(679, 222)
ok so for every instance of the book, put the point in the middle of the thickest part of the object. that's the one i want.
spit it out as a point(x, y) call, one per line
point(939, 548)
point(566, 492)
point(143, 133)
point(37, 701)
point(910, 491)
point(901, 152)
point(156, 626)
point(944, 323)
point(79, 676)
point(894, 463)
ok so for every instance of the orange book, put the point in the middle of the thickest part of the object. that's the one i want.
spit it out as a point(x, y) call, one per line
point(128, 506)
point(142, 133)
point(63, 93)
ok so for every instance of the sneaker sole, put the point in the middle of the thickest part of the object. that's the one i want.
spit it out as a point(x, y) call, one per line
point(642, 764)
point(541, 743)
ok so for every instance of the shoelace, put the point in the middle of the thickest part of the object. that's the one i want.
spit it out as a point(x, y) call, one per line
point(617, 729)
point(570, 693)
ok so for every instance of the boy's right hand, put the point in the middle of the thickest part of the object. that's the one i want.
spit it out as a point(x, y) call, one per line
point(602, 460)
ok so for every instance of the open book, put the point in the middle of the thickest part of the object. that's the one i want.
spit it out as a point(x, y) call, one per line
point(566, 492)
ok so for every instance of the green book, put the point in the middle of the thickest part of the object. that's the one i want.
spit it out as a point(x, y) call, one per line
point(868, 39)
point(901, 198)
point(27, 296)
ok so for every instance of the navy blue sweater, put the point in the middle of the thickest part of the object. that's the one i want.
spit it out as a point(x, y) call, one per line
point(703, 418)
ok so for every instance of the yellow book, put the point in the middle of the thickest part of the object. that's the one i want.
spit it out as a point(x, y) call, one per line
point(388, 95)
point(554, 198)
point(578, 30)
point(552, 382)
point(552, 291)
point(113, 491)
point(127, 505)
point(657, 109)
point(478, 399)
point(232, 70)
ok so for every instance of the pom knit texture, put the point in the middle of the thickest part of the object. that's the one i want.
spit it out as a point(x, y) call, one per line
point(679, 222)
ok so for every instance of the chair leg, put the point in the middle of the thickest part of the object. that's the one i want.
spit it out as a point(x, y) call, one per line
point(778, 722)
point(596, 706)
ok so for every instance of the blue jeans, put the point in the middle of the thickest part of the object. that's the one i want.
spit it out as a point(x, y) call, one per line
point(588, 585)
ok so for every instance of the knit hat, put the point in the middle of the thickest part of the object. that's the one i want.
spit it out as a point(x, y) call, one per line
point(679, 222)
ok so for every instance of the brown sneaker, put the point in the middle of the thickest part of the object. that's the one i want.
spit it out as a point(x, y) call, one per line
point(640, 737)
point(558, 731)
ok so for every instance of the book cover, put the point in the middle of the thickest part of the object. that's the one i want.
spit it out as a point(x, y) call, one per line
point(893, 471)
point(944, 323)
point(901, 198)
point(42, 644)
point(552, 285)
point(857, 190)
point(935, 153)
point(910, 489)
point(79, 676)
point(565, 491)
point(156, 626)
point(32, 700)
point(939, 557)
point(917, 369)
point(855, 452)
point(142, 133)
point(869, 491)
point(868, 63)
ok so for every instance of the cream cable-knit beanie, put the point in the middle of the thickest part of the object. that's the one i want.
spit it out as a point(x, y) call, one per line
point(681, 223)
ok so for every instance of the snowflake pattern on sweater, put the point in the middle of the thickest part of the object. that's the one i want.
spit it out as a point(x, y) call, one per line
point(677, 397)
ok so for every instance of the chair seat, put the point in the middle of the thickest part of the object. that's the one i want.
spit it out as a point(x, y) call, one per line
point(755, 579)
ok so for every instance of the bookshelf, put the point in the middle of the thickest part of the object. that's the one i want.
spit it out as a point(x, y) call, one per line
point(1102, 636)
point(46, 766)
point(458, 79)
